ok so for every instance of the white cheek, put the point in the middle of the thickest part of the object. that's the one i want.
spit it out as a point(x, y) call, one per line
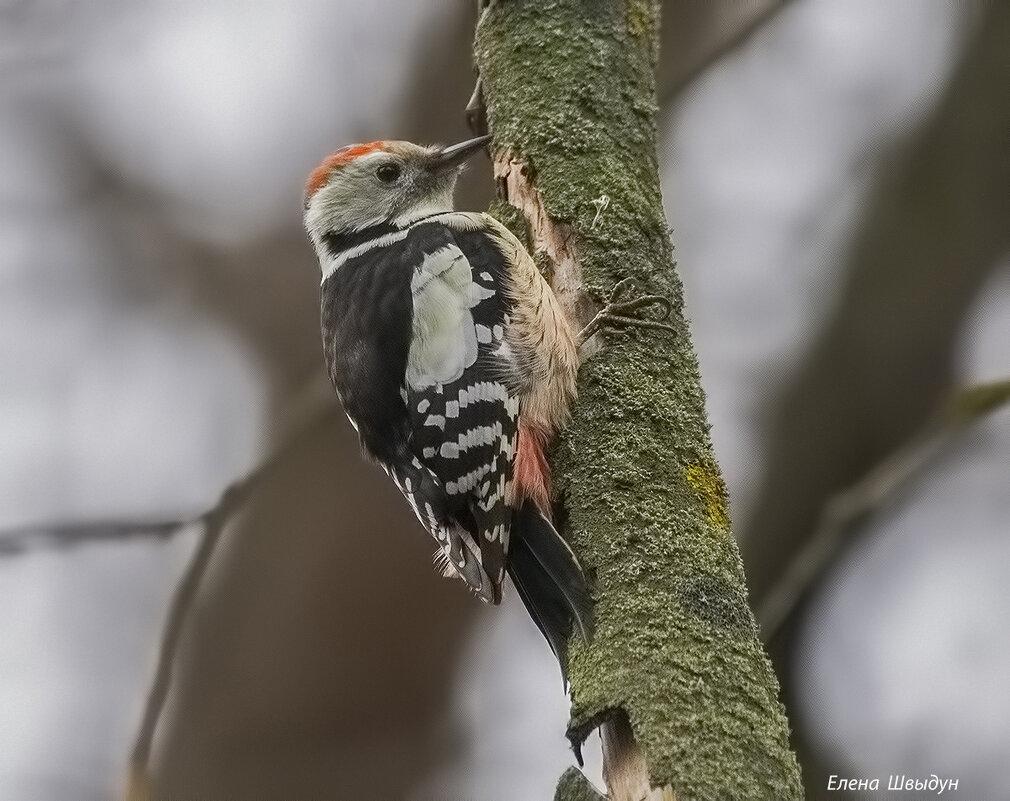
point(347, 207)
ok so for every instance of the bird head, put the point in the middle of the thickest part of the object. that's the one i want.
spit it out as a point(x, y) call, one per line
point(382, 182)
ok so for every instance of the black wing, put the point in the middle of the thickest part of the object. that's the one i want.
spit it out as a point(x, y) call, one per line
point(366, 323)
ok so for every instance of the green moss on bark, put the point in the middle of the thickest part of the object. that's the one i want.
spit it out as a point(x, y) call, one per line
point(569, 87)
point(573, 786)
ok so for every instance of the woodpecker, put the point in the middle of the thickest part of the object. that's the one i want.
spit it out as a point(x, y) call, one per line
point(455, 364)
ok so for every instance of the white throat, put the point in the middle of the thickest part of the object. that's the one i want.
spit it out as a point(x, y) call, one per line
point(426, 209)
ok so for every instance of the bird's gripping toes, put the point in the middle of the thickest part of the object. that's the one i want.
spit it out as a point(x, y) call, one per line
point(454, 362)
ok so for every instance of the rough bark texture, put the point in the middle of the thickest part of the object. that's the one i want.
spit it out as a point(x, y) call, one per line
point(573, 786)
point(569, 88)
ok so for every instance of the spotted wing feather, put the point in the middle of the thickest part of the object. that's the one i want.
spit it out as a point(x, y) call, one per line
point(464, 414)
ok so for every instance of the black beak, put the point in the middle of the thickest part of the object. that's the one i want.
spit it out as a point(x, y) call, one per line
point(454, 155)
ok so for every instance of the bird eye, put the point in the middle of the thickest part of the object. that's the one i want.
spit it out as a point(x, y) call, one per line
point(387, 173)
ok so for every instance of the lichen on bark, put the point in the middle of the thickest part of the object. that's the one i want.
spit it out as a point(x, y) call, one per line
point(569, 89)
point(573, 786)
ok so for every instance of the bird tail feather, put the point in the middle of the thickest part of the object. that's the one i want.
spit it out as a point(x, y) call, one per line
point(549, 580)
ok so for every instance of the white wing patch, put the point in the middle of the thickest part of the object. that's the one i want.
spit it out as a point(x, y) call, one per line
point(444, 339)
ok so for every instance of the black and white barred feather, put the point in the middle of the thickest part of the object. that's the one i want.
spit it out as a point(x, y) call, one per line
point(446, 349)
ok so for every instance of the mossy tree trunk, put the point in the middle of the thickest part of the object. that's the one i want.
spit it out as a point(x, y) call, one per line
point(675, 671)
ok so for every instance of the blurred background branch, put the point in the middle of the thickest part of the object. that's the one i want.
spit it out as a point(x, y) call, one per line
point(160, 313)
point(313, 410)
point(23, 539)
point(696, 35)
point(843, 513)
point(933, 229)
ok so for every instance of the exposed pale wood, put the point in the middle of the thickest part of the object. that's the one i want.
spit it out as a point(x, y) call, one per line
point(624, 765)
point(554, 238)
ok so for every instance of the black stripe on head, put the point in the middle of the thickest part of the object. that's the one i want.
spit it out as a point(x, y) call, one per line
point(336, 242)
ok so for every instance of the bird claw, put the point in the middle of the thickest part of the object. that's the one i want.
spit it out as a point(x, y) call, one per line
point(618, 314)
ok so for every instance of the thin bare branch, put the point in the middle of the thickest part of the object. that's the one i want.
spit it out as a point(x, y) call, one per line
point(681, 74)
point(310, 407)
point(185, 593)
point(69, 534)
point(310, 411)
point(843, 513)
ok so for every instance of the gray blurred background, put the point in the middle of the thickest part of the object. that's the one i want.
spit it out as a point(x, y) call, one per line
point(836, 175)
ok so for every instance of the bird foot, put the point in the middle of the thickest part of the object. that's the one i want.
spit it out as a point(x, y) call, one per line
point(618, 314)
